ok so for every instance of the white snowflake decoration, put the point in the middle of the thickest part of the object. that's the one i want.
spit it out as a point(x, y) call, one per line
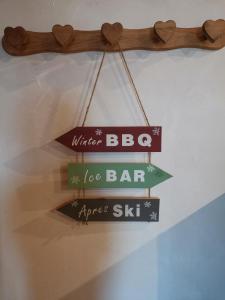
point(147, 204)
point(98, 131)
point(156, 130)
point(75, 180)
point(150, 168)
point(154, 216)
point(75, 203)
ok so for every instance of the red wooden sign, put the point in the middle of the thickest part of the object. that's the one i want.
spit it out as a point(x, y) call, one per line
point(113, 139)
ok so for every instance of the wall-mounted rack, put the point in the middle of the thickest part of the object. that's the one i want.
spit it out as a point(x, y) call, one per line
point(113, 37)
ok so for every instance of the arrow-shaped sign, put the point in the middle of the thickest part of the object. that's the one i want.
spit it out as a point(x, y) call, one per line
point(113, 139)
point(118, 209)
point(115, 175)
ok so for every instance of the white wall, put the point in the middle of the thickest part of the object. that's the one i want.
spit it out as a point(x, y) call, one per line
point(47, 257)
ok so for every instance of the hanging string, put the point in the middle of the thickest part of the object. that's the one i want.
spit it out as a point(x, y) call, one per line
point(93, 90)
point(87, 110)
point(138, 99)
point(134, 87)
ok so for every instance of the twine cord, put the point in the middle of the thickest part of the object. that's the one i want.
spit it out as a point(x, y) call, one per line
point(137, 98)
point(93, 90)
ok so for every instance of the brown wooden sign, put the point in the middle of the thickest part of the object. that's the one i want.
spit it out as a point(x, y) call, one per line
point(113, 139)
point(114, 37)
point(112, 210)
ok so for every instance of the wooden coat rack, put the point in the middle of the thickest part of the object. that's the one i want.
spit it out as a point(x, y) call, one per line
point(113, 37)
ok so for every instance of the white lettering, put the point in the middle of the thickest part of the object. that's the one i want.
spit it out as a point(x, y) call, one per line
point(127, 140)
point(125, 176)
point(81, 141)
point(128, 211)
point(111, 140)
point(111, 175)
point(91, 178)
point(145, 140)
point(138, 213)
point(117, 210)
point(139, 175)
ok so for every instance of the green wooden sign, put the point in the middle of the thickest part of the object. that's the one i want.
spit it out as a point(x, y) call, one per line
point(115, 175)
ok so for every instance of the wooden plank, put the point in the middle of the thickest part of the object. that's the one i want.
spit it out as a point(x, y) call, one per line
point(113, 37)
point(112, 210)
point(114, 175)
point(113, 139)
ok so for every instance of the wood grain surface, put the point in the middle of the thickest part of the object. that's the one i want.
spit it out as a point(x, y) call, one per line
point(113, 37)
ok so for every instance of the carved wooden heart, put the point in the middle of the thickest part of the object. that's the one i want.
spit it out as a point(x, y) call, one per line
point(63, 34)
point(165, 30)
point(16, 37)
point(214, 29)
point(112, 32)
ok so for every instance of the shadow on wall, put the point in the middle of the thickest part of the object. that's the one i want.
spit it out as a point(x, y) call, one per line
point(55, 252)
point(41, 98)
point(186, 262)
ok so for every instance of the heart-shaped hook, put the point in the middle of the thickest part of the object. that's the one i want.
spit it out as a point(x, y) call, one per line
point(213, 30)
point(16, 37)
point(112, 32)
point(165, 30)
point(64, 35)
